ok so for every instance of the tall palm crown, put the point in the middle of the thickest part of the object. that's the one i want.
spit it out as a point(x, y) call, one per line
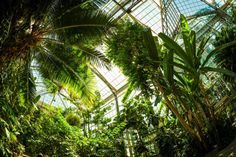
point(56, 35)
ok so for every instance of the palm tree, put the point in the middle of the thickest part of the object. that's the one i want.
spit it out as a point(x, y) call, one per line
point(56, 37)
point(53, 34)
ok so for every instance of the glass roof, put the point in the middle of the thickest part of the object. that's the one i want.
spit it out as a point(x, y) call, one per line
point(114, 77)
point(149, 13)
point(160, 16)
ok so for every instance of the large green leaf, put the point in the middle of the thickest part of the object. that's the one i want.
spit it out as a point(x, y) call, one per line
point(180, 80)
point(201, 47)
point(179, 51)
point(61, 65)
point(219, 70)
point(193, 53)
point(168, 67)
point(150, 45)
point(183, 67)
point(216, 50)
point(188, 38)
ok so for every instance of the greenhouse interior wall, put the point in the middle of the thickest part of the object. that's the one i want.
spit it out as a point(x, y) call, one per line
point(205, 17)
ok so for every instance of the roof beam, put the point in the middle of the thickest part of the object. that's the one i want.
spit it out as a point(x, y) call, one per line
point(220, 10)
point(201, 14)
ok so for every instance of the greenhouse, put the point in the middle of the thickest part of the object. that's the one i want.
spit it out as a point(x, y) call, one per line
point(118, 78)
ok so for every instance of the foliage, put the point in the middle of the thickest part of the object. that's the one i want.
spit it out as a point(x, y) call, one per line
point(226, 57)
point(148, 128)
point(98, 128)
point(141, 120)
point(127, 51)
point(173, 71)
point(52, 37)
point(49, 133)
point(10, 127)
point(13, 115)
point(73, 119)
point(189, 65)
point(172, 141)
point(59, 39)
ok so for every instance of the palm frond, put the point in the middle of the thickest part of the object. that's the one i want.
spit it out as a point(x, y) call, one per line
point(91, 55)
point(217, 50)
point(83, 26)
point(94, 56)
point(51, 86)
point(219, 70)
point(59, 64)
point(25, 85)
point(151, 45)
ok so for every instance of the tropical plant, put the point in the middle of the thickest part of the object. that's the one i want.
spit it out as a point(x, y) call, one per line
point(50, 133)
point(102, 137)
point(51, 36)
point(139, 58)
point(141, 122)
point(188, 65)
point(126, 50)
point(226, 57)
point(171, 71)
point(59, 132)
point(47, 33)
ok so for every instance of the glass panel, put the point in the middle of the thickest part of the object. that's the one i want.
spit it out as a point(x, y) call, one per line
point(191, 7)
point(150, 15)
